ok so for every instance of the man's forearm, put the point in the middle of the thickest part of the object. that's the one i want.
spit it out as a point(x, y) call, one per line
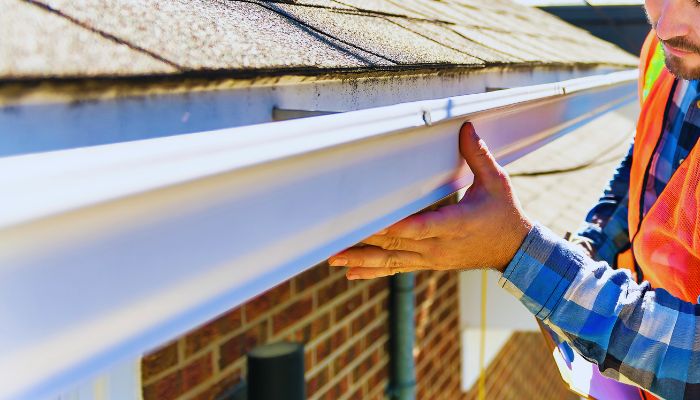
point(635, 334)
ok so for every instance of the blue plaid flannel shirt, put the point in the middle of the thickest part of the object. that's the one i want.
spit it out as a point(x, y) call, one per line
point(636, 334)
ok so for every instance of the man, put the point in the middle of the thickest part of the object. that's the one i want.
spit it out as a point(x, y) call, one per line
point(646, 227)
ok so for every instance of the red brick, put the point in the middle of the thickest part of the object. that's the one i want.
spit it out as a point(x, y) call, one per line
point(362, 368)
point(337, 390)
point(166, 388)
point(256, 307)
point(368, 363)
point(358, 395)
point(312, 329)
point(385, 303)
point(292, 313)
point(361, 321)
point(377, 333)
point(348, 356)
point(445, 313)
point(230, 321)
point(427, 294)
point(320, 324)
point(379, 377)
point(444, 279)
point(323, 349)
point(339, 337)
point(236, 347)
point(200, 338)
point(378, 286)
point(227, 382)
point(421, 276)
point(311, 277)
point(197, 372)
point(308, 359)
point(315, 382)
point(348, 306)
point(421, 295)
point(332, 290)
point(344, 384)
point(159, 360)
point(451, 292)
point(454, 324)
point(299, 335)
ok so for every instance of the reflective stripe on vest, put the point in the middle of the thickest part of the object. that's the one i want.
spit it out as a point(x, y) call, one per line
point(654, 68)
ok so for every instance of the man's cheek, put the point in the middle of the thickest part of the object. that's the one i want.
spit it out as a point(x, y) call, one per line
point(653, 10)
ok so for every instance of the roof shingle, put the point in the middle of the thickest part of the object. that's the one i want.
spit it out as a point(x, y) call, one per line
point(88, 38)
point(36, 42)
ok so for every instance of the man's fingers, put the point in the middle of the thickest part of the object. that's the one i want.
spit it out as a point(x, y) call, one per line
point(374, 257)
point(420, 226)
point(477, 155)
point(371, 273)
point(398, 243)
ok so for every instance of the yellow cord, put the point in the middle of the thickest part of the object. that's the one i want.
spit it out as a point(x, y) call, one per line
point(482, 338)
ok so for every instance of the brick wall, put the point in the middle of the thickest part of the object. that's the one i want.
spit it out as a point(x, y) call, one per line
point(343, 324)
point(345, 328)
point(437, 350)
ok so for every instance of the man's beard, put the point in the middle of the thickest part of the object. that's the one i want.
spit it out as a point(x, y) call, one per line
point(675, 64)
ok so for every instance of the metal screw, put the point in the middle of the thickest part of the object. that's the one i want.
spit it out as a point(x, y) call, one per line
point(427, 118)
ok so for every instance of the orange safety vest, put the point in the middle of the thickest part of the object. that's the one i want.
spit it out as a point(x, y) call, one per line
point(665, 243)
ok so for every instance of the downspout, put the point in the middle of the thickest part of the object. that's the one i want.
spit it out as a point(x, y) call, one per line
point(402, 384)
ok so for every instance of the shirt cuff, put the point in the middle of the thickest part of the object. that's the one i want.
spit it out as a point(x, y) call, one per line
point(542, 271)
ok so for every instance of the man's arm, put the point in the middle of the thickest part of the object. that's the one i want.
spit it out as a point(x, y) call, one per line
point(634, 333)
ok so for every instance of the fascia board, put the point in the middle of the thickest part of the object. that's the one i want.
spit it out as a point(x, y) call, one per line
point(109, 251)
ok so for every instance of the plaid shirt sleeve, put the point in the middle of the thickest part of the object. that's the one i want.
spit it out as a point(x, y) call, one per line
point(606, 223)
point(635, 334)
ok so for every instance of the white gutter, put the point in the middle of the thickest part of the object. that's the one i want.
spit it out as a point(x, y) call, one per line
point(109, 251)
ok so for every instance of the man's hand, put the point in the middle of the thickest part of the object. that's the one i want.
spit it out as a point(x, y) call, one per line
point(485, 229)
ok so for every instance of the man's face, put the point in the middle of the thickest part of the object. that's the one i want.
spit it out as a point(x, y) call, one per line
point(677, 24)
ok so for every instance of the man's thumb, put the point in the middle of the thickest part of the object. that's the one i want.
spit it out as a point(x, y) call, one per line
point(477, 155)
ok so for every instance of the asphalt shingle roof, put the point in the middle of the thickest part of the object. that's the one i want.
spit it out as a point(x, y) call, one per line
point(89, 38)
point(38, 43)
